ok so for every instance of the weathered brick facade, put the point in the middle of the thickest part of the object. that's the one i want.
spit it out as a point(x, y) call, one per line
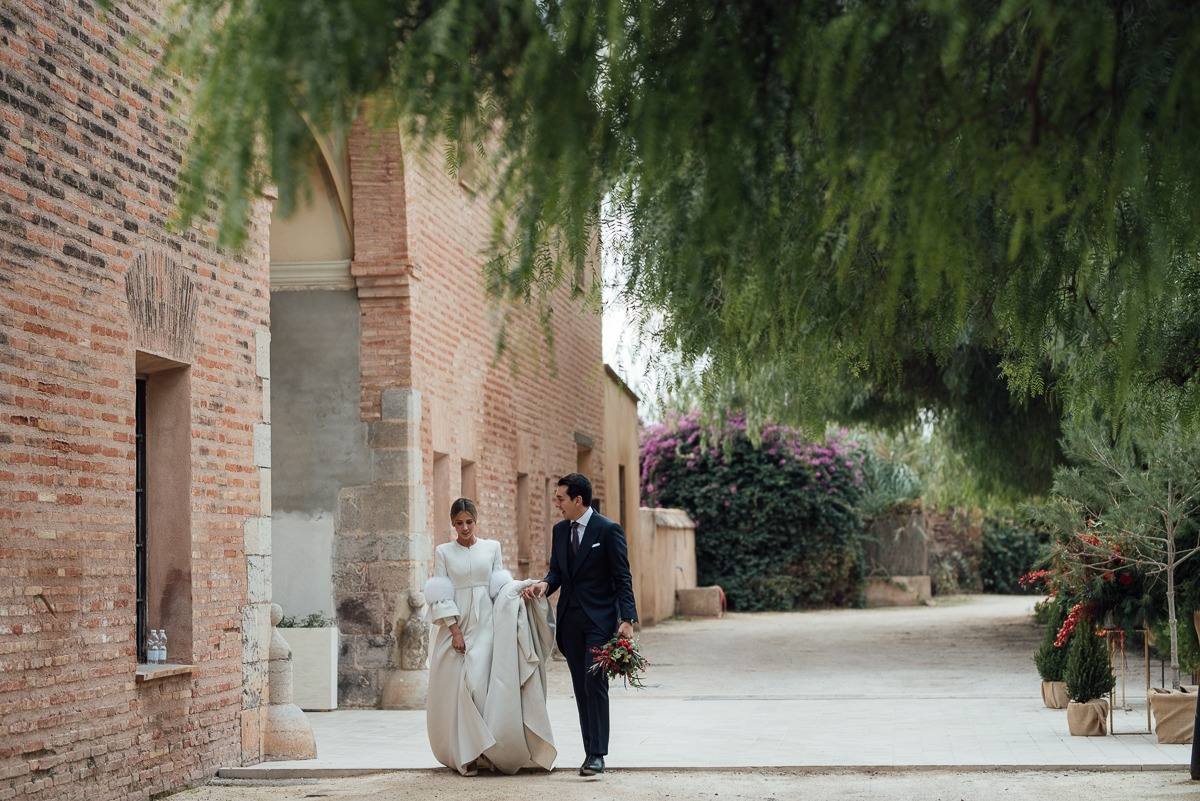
point(508, 417)
point(87, 171)
point(482, 427)
point(94, 290)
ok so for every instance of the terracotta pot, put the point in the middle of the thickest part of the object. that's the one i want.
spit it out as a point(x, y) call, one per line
point(1174, 714)
point(1088, 718)
point(1054, 694)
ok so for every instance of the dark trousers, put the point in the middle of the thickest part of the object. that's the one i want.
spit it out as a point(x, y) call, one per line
point(576, 636)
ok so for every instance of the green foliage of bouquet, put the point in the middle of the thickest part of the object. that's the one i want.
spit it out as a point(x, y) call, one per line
point(620, 657)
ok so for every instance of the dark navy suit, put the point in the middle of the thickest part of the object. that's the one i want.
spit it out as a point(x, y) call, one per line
point(596, 594)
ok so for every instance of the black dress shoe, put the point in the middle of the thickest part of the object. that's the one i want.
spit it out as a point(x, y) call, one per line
point(592, 765)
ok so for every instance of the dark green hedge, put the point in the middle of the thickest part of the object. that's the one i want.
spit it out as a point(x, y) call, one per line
point(1010, 550)
point(776, 522)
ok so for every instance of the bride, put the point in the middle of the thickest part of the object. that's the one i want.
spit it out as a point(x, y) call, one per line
point(487, 661)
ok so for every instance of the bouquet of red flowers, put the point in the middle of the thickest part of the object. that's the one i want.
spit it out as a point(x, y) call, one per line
point(620, 657)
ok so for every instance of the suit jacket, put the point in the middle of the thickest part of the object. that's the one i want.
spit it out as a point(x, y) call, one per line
point(599, 578)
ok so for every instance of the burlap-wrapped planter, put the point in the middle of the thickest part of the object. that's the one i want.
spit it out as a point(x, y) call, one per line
point(1088, 718)
point(1174, 714)
point(1054, 694)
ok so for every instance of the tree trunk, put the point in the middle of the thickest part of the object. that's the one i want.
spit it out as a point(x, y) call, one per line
point(1172, 622)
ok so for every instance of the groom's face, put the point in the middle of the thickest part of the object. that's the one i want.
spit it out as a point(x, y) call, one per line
point(570, 508)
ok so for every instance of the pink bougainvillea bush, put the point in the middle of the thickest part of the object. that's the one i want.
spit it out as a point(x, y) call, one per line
point(776, 519)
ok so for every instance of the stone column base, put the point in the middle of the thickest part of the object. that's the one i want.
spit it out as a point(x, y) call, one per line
point(288, 734)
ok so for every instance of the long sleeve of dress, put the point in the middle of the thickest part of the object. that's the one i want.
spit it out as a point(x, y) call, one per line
point(439, 592)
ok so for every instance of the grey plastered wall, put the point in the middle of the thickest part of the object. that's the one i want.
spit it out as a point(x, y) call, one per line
point(318, 441)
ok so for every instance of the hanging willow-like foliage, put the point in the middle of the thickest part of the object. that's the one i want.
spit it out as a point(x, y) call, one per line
point(840, 205)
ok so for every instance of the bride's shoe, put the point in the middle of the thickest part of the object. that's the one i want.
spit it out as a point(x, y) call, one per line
point(470, 769)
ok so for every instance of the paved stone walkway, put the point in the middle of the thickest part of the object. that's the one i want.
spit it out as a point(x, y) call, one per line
point(951, 685)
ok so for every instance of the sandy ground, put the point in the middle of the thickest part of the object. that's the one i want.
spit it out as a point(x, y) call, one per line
point(563, 785)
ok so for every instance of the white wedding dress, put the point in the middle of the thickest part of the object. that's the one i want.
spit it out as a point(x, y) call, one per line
point(491, 701)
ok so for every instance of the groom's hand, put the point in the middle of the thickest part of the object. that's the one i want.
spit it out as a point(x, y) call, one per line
point(535, 590)
point(625, 629)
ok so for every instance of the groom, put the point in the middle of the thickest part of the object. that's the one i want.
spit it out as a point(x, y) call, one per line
point(589, 562)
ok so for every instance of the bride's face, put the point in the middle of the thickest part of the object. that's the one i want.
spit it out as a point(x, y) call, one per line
point(464, 525)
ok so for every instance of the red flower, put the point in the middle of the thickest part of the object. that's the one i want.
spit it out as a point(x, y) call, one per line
point(620, 657)
point(1068, 626)
point(1107, 576)
point(1033, 577)
point(1125, 579)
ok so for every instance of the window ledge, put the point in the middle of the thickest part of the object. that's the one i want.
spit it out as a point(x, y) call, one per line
point(146, 673)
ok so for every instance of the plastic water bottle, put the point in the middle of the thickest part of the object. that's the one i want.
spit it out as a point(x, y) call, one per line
point(162, 646)
point(152, 647)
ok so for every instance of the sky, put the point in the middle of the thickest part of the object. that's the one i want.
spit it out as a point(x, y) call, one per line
point(624, 350)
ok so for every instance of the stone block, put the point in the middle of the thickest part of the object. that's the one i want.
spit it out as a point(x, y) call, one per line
point(351, 549)
point(266, 400)
point(256, 632)
point(400, 466)
point(402, 405)
point(404, 689)
point(358, 615)
point(377, 654)
point(372, 509)
point(251, 722)
point(349, 579)
point(898, 591)
point(418, 523)
point(262, 353)
point(358, 689)
point(389, 435)
point(354, 548)
point(257, 536)
point(262, 444)
point(393, 579)
point(699, 602)
point(258, 579)
point(411, 547)
point(254, 685)
point(264, 491)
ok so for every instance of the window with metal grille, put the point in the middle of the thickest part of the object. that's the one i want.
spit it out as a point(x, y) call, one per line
point(140, 516)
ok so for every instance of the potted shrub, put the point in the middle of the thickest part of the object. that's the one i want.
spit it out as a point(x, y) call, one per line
point(1138, 500)
point(1175, 710)
point(1089, 678)
point(1051, 660)
point(314, 643)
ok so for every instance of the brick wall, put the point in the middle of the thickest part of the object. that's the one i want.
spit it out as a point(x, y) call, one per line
point(87, 168)
point(518, 415)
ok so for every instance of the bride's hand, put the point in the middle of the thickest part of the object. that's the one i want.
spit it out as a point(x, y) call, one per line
point(458, 642)
point(535, 590)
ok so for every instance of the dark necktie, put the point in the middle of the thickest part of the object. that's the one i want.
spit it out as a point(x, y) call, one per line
point(574, 537)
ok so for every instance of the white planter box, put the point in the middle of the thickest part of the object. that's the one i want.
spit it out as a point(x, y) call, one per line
point(314, 667)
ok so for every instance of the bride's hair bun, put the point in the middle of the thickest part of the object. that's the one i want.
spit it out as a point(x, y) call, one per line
point(463, 505)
